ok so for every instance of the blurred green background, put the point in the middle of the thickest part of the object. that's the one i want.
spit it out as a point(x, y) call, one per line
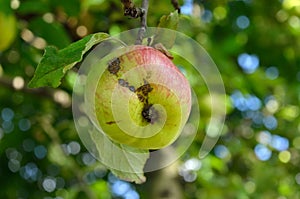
point(256, 46)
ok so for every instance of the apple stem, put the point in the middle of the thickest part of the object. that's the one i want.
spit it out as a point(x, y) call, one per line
point(142, 30)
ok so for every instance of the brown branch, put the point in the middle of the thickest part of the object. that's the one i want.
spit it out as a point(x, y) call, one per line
point(176, 5)
point(42, 92)
point(142, 30)
point(131, 10)
point(48, 93)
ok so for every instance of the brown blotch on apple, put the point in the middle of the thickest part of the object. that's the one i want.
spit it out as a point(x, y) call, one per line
point(114, 66)
point(150, 114)
point(143, 91)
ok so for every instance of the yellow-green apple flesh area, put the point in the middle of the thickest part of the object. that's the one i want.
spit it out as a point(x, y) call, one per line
point(142, 99)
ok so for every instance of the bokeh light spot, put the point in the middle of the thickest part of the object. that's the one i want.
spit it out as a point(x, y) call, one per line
point(48, 17)
point(272, 73)
point(88, 159)
point(190, 176)
point(294, 22)
point(297, 178)
point(49, 184)
point(270, 122)
point(244, 103)
point(264, 137)
point(262, 152)
point(242, 22)
point(12, 153)
point(39, 43)
point(207, 16)
point(40, 151)
point(119, 188)
point(250, 187)
point(192, 164)
point(60, 182)
point(81, 31)
point(14, 4)
point(279, 143)
point(73, 148)
point(63, 98)
point(100, 172)
point(18, 82)
point(8, 126)
point(30, 172)
point(249, 63)
point(282, 16)
point(28, 145)
point(89, 177)
point(27, 35)
point(284, 156)
point(257, 117)
point(132, 194)
point(24, 124)
point(14, 165)
point(7, 114)
point(296, 142)
point(221, 151)
point(290, 112)
point(272, 105)
point(220, 13)
point(187, 7)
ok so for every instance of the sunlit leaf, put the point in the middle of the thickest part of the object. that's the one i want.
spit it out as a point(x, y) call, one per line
point(125, 162)
point(55, 63)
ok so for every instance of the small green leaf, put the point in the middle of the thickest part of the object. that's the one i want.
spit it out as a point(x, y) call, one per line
point(125, 162)
point(55, 63)
point(169, 21)
point(164, 37)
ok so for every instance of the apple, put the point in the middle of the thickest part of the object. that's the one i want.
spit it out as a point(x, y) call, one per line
point(141, 99)
point(8, 27)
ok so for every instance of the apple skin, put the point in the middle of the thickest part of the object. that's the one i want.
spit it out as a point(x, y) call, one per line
point(142, 100)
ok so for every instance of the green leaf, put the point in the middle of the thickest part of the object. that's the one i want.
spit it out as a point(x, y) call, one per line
point(55, 63)
point(169, 21)
point(54, 33)
point(164, 37)
point(125, 162)
point(33, 6)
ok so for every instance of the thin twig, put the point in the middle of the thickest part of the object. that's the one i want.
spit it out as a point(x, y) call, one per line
point(176, 5)
point(143, 28)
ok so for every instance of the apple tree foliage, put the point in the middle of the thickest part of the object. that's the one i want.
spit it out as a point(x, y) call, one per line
point(255, 45)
